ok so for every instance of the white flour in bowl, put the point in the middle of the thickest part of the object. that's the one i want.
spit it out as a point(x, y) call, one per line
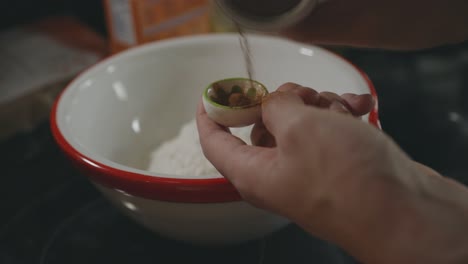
point(183, 156)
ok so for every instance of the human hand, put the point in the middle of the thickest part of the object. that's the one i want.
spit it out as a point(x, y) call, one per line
point(351, 104)
point(341, 179)
point(302, 153)
point(391, 24)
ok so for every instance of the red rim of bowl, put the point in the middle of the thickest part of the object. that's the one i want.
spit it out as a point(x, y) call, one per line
point(217, 190)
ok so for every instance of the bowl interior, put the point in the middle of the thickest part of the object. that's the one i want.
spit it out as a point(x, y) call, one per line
point(118, 111)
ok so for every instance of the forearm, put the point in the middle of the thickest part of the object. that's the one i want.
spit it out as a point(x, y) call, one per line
point(393, 24)
point(424, 225)
point(418, 218)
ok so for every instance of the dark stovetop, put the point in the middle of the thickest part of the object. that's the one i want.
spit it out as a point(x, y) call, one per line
point(50, 214)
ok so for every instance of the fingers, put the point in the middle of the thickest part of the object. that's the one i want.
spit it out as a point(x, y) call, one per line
point(308, 95)
point(327, 98)
point(359, 104)
point(260, 136)
point(333, 102)
point(338, 107)
point(231, 156)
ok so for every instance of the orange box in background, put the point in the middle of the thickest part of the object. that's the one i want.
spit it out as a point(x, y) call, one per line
point(134, 22)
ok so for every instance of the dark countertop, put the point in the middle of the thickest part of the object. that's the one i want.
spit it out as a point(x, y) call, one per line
point(51, 214)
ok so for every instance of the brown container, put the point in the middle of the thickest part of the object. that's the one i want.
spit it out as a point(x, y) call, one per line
point(134, 22)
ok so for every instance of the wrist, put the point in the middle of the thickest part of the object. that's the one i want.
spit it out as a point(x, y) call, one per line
point(398, 214)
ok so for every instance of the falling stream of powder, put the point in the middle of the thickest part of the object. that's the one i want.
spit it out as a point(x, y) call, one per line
point(245, 46)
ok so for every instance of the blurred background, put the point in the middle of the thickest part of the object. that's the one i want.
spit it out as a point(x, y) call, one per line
point(90, 12)
point(49, 213)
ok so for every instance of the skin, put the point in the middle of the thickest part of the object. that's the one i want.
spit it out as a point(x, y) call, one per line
point(341, 179)
point(378, 204)
point(395, 24)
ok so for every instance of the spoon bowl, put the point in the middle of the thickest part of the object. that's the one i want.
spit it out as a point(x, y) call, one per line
point(234, 102)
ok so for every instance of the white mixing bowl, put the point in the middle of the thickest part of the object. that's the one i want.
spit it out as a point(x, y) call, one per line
point(109, 119)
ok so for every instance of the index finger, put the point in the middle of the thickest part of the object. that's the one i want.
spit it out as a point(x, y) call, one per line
point(231, 156)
